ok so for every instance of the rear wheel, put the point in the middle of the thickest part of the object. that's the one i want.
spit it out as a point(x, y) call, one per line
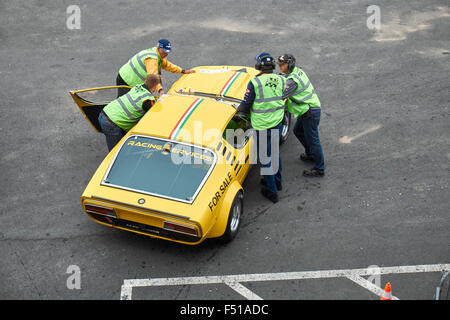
point(286, 127)
point(234, 218)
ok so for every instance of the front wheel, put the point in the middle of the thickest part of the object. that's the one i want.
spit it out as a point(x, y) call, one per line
point(234, 218)
point(286, 127)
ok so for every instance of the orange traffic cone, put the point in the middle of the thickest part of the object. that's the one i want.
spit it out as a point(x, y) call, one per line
point(387, 294)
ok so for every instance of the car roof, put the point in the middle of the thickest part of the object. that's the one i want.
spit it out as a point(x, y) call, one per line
point(186, 118)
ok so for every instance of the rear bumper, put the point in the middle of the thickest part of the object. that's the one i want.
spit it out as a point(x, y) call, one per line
point(141, 228)
point(144, 222)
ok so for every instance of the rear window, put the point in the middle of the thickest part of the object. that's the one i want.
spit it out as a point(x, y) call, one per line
point(160, 167)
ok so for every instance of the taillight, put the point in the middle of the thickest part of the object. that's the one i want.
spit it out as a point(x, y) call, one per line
point(100, 210)
point(180, 228)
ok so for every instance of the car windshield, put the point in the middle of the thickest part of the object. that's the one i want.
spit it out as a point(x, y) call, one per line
point(160, 167)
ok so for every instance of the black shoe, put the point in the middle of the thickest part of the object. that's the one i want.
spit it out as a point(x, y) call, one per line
point(279, 186)
point(313, 173)
point(306, 158)
point(272, 197)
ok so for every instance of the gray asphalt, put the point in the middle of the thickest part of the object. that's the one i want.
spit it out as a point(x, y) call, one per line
point(385, 198)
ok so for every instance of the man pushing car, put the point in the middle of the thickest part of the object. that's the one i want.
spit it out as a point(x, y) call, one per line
point(120, 115)
point(148, 61)
point(263, 102)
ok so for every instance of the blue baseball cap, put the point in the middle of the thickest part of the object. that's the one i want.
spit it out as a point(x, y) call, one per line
point(165, 45)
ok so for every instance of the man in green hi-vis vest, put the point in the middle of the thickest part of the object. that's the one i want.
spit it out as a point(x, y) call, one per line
point(120, 115)
point(304, 104)
point(263, 101)
point(148, 61)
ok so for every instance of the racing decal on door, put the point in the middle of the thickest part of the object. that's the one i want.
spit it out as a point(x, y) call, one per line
point(184, 118)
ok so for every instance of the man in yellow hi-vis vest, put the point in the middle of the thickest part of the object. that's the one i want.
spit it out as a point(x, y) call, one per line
point(263, 101)
point(120, 115)
point(304, 104)
point(148, 61)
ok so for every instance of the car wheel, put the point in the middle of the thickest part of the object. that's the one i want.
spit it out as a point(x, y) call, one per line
point(286, 127)
point(234, 218)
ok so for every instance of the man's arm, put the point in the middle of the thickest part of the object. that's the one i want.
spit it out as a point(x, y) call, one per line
point(247, 102)
point(152, 68)
point(168, 66)
point(289, 89)
point(148, 104)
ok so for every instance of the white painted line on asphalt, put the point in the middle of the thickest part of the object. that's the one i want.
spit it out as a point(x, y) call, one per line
point(351, 274)
point(368, 285)
point(125, 292)
point(243, 291)
point(347, 139)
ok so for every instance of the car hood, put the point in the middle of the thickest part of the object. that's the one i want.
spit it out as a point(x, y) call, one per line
point(226, 81)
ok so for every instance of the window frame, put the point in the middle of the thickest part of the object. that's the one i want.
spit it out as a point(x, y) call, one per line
point(199, 188)
point(246, 138)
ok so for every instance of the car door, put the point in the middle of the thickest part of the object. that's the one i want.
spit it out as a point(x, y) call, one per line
point(92, 101)
point(241, 152)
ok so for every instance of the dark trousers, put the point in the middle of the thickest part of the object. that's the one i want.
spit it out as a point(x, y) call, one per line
point(270, 180)
point(306, 130)
point(112, 131)
point(121, 82)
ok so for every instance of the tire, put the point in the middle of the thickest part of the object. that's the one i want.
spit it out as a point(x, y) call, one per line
point(286, 129)
point(234, 218)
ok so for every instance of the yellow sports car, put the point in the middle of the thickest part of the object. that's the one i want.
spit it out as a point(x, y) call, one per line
point(177, 174)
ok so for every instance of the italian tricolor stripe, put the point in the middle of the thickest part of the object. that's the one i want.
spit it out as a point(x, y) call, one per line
point(184, 118)
point(229, 83)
